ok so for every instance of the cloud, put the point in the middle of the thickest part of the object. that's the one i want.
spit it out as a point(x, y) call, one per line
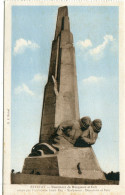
point(39, 81)
point(97, 50)
point(23, 89)
point(22, 44)
point(84, 44)
point(93, 79)
point(39, 78)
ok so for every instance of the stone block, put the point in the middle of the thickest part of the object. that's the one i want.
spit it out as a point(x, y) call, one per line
point(71, 163)
point(84, 158)
point(43, 165)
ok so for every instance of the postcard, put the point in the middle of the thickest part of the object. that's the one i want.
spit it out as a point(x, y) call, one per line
point(64, 97)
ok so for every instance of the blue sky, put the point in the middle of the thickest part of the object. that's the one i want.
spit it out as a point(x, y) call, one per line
point(95, 32)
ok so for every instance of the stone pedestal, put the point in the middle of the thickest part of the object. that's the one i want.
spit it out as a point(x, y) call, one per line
point(43, 165)
point(69, 163)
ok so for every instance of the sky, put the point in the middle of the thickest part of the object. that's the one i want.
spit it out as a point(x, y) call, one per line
point(95, 32)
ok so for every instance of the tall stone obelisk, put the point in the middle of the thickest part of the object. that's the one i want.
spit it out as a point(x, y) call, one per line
point(60, 104)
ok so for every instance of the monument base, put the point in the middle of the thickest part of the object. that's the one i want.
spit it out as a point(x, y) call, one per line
point(70, 163)
point(21, 178)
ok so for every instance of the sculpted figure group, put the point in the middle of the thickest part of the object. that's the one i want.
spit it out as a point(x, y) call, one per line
point(82, 133)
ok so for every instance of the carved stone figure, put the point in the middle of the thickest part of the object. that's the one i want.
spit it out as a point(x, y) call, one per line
point(90, 135)
point(82, 133)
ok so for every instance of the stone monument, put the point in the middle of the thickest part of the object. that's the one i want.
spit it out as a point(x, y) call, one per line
point(64, 149)
point(61, 104)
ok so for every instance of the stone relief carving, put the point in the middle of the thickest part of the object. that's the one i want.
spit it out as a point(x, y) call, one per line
point(82, 133)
